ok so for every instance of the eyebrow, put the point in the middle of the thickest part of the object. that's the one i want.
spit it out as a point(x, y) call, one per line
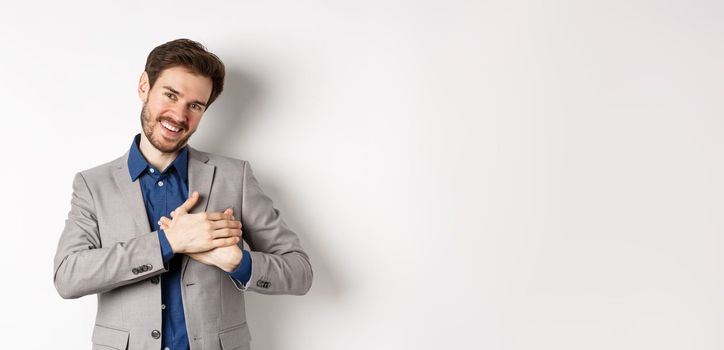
point(182, 95)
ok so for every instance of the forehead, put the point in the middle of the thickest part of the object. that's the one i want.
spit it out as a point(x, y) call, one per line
point(192, 86)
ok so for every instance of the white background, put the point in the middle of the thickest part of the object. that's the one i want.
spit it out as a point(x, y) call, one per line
point(464, 174)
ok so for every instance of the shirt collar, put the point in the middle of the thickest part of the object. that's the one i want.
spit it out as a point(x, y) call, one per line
point(137, 163)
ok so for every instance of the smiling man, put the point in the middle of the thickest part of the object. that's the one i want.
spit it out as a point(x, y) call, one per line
point(154, 233)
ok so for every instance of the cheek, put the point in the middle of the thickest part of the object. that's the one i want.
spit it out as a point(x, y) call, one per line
point(154, 108)
point(194, 122)
point(158, 104)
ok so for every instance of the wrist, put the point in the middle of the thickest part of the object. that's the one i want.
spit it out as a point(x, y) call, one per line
point(170, 237)
point(233, 265)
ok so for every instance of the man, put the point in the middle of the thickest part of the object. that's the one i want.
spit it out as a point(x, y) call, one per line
point(154, 233)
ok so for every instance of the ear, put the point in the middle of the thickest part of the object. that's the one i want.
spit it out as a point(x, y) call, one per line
point(143, 87)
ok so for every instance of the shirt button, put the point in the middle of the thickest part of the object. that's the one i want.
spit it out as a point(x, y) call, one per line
point(151, 170)
point(160, 183)
point(166, 348)
point(163, 306)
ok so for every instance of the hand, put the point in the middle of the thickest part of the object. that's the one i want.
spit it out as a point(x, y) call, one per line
point(193, 233)
point(226, 258)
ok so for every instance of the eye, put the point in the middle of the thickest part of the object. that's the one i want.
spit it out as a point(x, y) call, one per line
point(170, 96)
point(196, 107)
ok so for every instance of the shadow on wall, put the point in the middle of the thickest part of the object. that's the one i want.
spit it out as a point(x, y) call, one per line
point(233, 116)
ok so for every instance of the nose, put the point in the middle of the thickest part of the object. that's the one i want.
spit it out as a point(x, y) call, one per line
point(179, 113)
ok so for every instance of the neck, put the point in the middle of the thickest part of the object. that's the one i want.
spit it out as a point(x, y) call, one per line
point(160, 160)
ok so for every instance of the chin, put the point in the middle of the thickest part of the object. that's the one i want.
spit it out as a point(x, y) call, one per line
point(167, 146)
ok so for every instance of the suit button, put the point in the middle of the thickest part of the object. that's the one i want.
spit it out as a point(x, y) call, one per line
point(156, 334)
point(149, 266)
point(143, 268)
point(135, 271)
point(154, 279)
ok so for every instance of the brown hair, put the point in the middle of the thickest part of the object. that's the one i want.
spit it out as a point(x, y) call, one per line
point(189, 54)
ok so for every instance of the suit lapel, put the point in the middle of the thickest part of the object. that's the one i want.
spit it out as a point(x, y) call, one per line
point(201, 177)
point(132, 195)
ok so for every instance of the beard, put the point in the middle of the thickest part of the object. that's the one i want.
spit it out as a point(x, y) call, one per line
point(149, 123)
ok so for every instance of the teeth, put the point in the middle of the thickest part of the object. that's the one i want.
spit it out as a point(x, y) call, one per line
point(168, 126)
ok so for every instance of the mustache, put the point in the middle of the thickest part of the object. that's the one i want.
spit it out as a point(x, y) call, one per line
point(168, 120)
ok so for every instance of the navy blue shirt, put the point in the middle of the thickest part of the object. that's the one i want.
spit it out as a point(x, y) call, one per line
point(164, 191)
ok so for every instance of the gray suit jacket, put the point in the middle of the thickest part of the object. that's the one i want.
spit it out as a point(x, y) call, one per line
point(107, 248)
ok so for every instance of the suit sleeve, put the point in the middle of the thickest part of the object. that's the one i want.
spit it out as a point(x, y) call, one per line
point(83, 265)
point(279, 264)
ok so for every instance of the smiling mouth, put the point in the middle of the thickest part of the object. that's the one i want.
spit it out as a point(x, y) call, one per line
point(170, 127)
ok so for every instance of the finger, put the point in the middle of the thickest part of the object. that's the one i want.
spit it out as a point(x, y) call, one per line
point(213, 216)
point(231, 213)
point(225, 242)
point(225, 233)
point(200, 257)
point(164, 222)
point(188, 204)
point(219, 224)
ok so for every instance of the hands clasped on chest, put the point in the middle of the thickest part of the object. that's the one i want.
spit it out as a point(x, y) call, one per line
point(209, 237)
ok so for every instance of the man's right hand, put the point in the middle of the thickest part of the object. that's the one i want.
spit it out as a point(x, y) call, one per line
point(200, 232)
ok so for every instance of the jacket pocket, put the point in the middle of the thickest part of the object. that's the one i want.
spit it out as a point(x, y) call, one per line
point(235, 338)
point(109, 338)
